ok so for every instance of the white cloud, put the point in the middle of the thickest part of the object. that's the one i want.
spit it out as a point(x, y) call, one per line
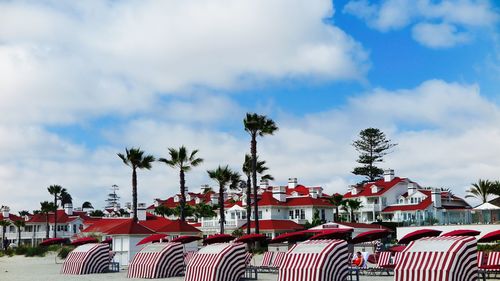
point(62, 62)
point(436, 24)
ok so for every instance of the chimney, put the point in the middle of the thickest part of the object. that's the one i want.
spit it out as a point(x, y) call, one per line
point(214, 197)
point(5, 212)
point(141, 211)
point(292, 183)
point(388, 175)
point(313, 193)
point(412, 188)
point(279, 193)
point(68, 209)
point(436, 197)
point(264, 184)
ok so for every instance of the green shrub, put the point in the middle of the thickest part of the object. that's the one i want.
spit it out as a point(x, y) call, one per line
point(9, 252)
point(21, 250)
point(64, 251)
point(489, 248)
point(54, 248)
point(35, 251)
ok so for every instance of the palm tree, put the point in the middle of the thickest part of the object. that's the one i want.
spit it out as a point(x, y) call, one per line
point(66, 198)
point(496, 188)
point(4, 224)
point(224, 176)
point(23, 213)
point(57, 191)
point(257, 125)
point(247, 170)
point(46, 207)
point(183, 160)
point(352, 205)
point(336, 200)
point(134, 158)
point(19, 223)
point(163, 211)
point(481, 190)
point(203, 210)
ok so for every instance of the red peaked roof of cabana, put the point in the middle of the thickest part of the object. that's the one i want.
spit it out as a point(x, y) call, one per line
point(276, 225)
point(415, 235)
point(129, 227)
point(177, 226)
point(490, 237)
point(462, 232)
point(370, 236)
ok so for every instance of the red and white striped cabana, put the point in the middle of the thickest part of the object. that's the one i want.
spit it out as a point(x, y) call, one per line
point(315, 260)
point(87, 259)
point(159, 260)
point(217, 262)
point(438, 258)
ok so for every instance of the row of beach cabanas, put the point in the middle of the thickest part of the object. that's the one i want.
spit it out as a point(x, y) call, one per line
point(312, 255)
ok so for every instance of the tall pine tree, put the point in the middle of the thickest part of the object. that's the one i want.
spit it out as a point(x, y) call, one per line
point(372, 146)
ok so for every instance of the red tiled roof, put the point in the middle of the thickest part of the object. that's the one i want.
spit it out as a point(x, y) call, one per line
point(61, 217)
point(154, 222)
point(382, 184)
point(177, 226)
point(307, 201)
point(129, 226)
point(275, 225)
point(11, 217)
point(267, 199)
point(300, 189)
point(104, 225)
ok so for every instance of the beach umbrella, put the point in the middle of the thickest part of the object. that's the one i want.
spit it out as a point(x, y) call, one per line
point(54, 241)
point(490, 237)
point(290, 237)
point(152, 238)
point(107, 240)
point(339, 233)
point(218, 238)
point(251, 238)
point(397, 248)
point(186, 239)
point(462, 232)
point(415, 235)
point(84, 240)
point(371, 235)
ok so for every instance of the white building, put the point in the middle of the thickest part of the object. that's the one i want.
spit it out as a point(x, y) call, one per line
point(402, 200)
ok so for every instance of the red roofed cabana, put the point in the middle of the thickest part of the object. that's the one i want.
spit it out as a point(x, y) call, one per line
point(371, 235)
point(415, 235)
point(160, 260)
point(438, 258)
point(462, 232)
point(218, 238)
point(490, 237)
point(217, 262)
point(339, 233)
point(315, 260)
point(87, 259)
point(84, 240)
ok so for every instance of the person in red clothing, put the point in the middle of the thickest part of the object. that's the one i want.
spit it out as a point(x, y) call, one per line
point(358, 260)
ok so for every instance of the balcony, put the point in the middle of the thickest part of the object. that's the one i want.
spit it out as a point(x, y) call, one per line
point(215, 224)
point(371, 208)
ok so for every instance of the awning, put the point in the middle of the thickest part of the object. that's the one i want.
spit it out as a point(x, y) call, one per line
point(152, 238)
point(84, 240)
point(339, 233)
point(490, 237)
point(462, 232)
point(415, 235)
point(251, 238)
point(218, 238)
point(186, 239)
point(290, 237)
point(371, 235)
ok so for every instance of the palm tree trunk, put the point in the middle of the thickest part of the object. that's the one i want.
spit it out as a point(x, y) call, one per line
point(221, 209)
point(19, 236)
point(3, 236)
point(253, 151)
point(55, 215)
point(134, 193)
point(183, 195)
point(352, 215)
point(47, 226)
point(249, 203)
point(336, 217)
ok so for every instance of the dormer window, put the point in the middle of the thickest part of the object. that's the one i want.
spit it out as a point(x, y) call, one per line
point(295, 194)
point(401, 201)
point(197, 200)
point(375, 189)
point(176, 198)
point(188, 197)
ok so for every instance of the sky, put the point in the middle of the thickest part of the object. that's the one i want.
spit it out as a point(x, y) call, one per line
point(80, 81)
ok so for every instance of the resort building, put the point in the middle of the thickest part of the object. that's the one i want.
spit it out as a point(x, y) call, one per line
point(69, 224)
point(403, 200)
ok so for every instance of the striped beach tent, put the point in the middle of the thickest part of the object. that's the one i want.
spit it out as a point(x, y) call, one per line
point(278, 259)
point(87, 259)
point(217, 262)
point(158, 260)
point(438, 258)
point(315, 260)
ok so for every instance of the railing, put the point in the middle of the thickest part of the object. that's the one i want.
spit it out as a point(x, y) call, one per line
point(38, 235)
point(371, 208)
point(230, 223)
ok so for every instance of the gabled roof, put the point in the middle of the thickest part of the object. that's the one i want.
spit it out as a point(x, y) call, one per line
point(267, 199)
point(11, 217)
point(154, 222)
point(61, 217)
point(307, 201)
point(275, 225)
point(382, 184)
point(128, 227)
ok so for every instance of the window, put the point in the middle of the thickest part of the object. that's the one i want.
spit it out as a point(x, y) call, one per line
point(302, 214)
point(233, 216)
point(323, 217)
point(260, 214)
point(74, 228)
point(297, 213)
point(290, 214)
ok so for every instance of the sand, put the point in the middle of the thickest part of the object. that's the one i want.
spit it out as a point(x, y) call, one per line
point(19, 268)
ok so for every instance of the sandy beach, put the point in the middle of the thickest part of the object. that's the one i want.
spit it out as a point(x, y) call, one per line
point(20, 268)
